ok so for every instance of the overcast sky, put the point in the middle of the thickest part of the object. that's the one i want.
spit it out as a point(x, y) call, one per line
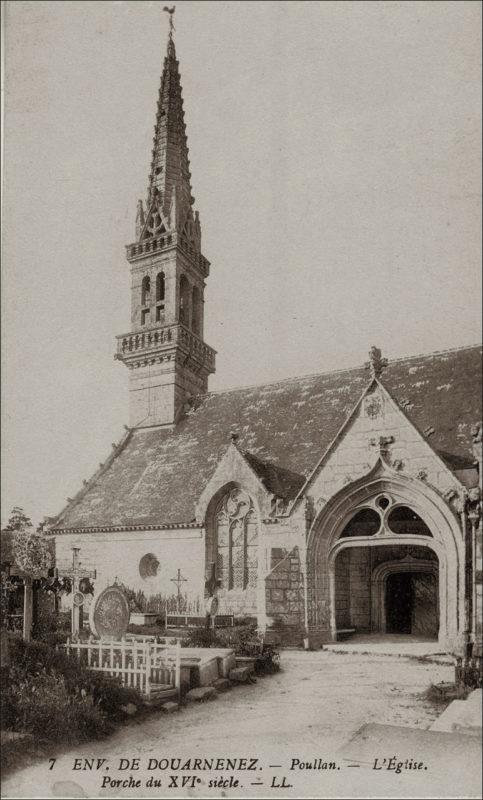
point(335, 157)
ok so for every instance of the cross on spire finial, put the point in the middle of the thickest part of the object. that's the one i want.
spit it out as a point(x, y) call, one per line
point(170, 11)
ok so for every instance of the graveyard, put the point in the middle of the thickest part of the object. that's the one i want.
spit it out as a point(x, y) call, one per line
point(102, 659)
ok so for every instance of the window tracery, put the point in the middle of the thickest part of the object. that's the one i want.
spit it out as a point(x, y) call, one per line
point(237, 539)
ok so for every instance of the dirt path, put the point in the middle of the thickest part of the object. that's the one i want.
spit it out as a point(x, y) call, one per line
point(307, 711)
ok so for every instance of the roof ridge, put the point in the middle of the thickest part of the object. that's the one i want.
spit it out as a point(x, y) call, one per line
point(336, 371)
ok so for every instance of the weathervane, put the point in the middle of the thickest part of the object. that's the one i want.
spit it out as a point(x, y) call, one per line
point(170, 11)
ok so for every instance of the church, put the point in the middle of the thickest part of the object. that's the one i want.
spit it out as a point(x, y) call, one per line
point(340, 502)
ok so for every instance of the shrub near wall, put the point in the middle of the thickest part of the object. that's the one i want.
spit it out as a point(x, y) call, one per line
point(48, 693)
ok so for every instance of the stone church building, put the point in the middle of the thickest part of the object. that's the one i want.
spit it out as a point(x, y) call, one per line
point(340, 501)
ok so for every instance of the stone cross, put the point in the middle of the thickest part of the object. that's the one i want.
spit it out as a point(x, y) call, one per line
point(179, 580)
point(75, 574)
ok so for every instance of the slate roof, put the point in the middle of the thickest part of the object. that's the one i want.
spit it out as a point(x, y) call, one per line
point(157, 475)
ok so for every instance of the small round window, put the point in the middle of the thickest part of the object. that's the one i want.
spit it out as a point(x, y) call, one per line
point(148, 566)
point(365, 523)
point(405, 521)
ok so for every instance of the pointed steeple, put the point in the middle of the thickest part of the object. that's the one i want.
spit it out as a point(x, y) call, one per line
point(165, 351)
point(169, 197)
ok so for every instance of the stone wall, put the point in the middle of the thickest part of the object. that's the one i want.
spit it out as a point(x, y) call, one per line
point(360, 588)
point(284, 593)
point(117, 555)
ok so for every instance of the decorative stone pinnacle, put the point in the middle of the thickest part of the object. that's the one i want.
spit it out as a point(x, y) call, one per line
point(376, 362)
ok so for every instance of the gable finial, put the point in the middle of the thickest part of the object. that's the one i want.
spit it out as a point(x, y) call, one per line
point(234, 436)
point(376, 362)
point(170, 11)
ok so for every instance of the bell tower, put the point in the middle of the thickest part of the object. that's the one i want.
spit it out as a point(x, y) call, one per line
point(165, 353)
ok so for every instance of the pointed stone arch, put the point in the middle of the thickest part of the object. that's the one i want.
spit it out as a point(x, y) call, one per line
point(239, 572)
point(324, 544)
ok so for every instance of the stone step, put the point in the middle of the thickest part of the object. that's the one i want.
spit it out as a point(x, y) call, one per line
point(221, 684)
point(201, 694)
point(170, 707)
point(242, 675)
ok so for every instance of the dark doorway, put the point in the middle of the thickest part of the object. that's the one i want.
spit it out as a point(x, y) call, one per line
point(399, 602)
point(412, 604)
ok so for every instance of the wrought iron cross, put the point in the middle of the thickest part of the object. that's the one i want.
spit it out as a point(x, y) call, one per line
point(170, 11)
point(179, 580)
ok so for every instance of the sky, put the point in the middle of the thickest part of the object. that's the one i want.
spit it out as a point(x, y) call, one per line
point(335, 159)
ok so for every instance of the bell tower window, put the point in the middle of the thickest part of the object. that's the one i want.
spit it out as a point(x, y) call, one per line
point(146, 291)
point(160, 294)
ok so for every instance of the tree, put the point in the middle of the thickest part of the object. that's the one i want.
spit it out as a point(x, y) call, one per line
point(30, 549)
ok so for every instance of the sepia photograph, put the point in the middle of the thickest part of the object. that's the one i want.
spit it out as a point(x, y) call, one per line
point(241, 521)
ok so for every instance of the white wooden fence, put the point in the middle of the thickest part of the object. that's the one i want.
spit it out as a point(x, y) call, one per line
point(154, 669)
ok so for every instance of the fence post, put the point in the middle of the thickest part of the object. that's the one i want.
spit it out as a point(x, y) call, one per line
point(178, 669)
point(148, 668)
point(89, 643)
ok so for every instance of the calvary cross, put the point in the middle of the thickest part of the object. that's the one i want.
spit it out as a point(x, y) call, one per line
point(178, 581)
point(75, 574)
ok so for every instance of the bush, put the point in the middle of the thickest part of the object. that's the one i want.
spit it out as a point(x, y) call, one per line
point(244, 640)
point(202, 637)
point(61, 688)
point(42, 705)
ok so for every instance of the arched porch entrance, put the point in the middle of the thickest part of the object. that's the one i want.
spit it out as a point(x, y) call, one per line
point(386, 556)
point(392, 589)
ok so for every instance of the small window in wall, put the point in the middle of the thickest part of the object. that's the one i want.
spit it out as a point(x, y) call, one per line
point(365, 523)
point(148, 566)
point(160, 313)
point(146, 291)
point(160, 287)
point(404, 520)
point(145, 316)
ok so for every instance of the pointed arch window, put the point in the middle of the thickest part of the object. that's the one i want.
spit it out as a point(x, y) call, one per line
point(160, 294)
point(237, 539)
point(145, 300)
point(146, 291)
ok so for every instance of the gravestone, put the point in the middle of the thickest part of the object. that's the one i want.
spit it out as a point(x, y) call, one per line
point(109, 613)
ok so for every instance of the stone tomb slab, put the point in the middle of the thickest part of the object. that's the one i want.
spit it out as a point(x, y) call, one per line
point(202, 666)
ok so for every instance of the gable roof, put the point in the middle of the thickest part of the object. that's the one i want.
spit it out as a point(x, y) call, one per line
point(158, 474)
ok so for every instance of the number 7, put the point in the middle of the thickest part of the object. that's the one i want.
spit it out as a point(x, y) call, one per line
point(53, 760)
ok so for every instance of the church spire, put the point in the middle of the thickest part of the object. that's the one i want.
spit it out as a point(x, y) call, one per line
point(165, 351)
point(169, 198)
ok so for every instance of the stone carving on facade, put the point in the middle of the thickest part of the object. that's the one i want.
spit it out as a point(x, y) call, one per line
point(373, 406)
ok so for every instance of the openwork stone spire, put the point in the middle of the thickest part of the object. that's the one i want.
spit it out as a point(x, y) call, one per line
point(169, 198)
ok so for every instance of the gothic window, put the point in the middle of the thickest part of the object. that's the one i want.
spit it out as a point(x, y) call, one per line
point(184, 311)
point(405, 521)
point(237, 539)
point(196, 311)
point(160, 287)
point(365, 523)
point(146, 291)
point(160, 293)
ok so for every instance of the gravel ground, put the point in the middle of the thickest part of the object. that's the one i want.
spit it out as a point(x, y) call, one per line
point(307, 711)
